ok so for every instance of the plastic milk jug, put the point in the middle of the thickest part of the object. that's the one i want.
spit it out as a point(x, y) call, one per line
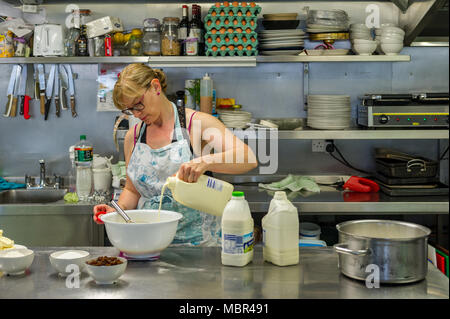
point(208, 194)
point(237, 232)
point(281, 232)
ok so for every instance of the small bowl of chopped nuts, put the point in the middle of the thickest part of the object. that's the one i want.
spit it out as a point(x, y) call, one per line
point(105, 270)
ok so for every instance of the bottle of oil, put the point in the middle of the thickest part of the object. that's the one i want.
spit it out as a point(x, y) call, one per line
point(82, 43)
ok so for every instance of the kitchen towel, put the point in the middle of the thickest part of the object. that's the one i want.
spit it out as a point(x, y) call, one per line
point(4, 185)
point(293, 183)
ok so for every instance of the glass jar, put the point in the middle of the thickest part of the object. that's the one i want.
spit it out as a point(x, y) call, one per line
point(99, 46)
point(135, 42)
point(169, 37)
point(151, 41)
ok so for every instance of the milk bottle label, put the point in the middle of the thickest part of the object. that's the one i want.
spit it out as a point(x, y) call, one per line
point(214, 184)
point(236, 244)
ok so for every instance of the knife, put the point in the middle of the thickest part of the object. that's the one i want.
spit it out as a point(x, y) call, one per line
point(42, 87)
point(36, 82)
point(56, 90)
point(16, 91)
point(22, 87)
point(71, 89)
point(49, 89)
point(28, 94)
point(10, 91)
point(63, 86)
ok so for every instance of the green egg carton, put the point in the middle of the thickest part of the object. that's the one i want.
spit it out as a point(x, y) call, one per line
point(230, 22)
point(242, 38)
point(253, 10)
point(234, 45)
point(228, 52)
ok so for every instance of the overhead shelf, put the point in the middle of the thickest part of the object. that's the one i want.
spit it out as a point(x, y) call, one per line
point(350, 134)
point(203, 61)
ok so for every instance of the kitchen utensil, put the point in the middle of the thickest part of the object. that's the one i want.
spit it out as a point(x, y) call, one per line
point(36, 82)
point(356, 184)
point(415, 190)
point(418, 167)
point(406, 181)
point(41, 73)
point(56, 90)
point(49, 89)
point(30, 90)
point(10, 92)
point(16, 91)
point(398, 249)
point(71, 89)
point(48, 40)
point(121, 212)
point(22, 88)
point(63, 86)
point(151, 234)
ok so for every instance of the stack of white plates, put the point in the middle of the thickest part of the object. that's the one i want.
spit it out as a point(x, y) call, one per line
point(281, 42)
point(235, 119)
point(329, 112)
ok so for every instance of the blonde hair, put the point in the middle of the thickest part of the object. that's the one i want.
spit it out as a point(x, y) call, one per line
point(134, 80)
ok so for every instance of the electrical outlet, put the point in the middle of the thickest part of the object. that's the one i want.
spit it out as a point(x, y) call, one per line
point(320, 146)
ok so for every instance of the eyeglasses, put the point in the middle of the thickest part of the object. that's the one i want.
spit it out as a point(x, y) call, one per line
point(137, 107)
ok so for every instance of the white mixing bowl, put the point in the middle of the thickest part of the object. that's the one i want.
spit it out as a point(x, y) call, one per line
point(146, 238)
point(63, 258)
point(364, 48)
point(391, 48)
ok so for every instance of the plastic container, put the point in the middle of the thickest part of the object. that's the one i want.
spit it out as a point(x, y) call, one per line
point(311, 243)
point(309, 231)
point(280, 232)
point(72, 171)
point(83, 161)
point(206, 94)
point(208, 194)
point(237, 232)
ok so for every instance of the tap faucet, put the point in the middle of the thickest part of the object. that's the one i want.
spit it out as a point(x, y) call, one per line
point(42, 174)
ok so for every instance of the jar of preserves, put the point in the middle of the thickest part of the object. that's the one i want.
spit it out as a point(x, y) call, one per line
point(135, 42)
point(151, 41)
point(170, 44)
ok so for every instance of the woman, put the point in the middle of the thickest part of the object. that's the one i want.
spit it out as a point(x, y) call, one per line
point(159, 147)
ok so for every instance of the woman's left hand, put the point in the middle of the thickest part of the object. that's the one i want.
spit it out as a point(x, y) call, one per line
point(191, 171)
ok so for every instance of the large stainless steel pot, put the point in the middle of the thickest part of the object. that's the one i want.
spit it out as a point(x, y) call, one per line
point(399, 249)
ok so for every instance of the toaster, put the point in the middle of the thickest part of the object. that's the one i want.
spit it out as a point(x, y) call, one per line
point(48, 40)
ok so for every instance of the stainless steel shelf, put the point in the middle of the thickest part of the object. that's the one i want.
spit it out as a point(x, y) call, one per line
point(337, 58)
point(351, 134)
point(203, 61)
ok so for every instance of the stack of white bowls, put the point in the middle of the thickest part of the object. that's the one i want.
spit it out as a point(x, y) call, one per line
point(389, 39)
point(329, 112)
point(361, 39)
point(235, 119)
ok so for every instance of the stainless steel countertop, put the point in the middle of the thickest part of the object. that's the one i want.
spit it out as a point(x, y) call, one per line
point(328, 202)
point(198, 273)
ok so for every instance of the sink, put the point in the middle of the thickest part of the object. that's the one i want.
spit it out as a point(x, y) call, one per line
point(31, 196)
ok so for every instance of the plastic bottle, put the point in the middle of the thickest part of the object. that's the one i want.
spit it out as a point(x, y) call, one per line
point(72, 171)
point(280, 232)
point(209, 195)
point(237, 232)
point(83, 161)
point(206, 94)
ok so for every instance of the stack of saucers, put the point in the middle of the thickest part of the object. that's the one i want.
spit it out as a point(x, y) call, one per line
point(235, 119)
point(329, 112)
point(281, 42)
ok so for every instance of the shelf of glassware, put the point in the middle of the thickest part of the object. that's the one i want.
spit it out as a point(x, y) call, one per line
point(204, 61)
point(348, 134)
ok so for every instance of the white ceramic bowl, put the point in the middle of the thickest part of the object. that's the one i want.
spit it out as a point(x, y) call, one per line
point(391, 48)
point(358, 26)
point(391, 40)
point(365, 48)
point(363, 41)
point(393, 30)
point(146, 238)
point(392, 37)
point(63, 258)
point(16, 261)
point(106, 275)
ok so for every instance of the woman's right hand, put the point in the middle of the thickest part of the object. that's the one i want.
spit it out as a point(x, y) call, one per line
point(100, 210)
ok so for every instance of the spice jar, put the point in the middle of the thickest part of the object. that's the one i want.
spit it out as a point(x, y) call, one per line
point(169, 42)
point(99, 46)
point(135, 42)
point(151, 41)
